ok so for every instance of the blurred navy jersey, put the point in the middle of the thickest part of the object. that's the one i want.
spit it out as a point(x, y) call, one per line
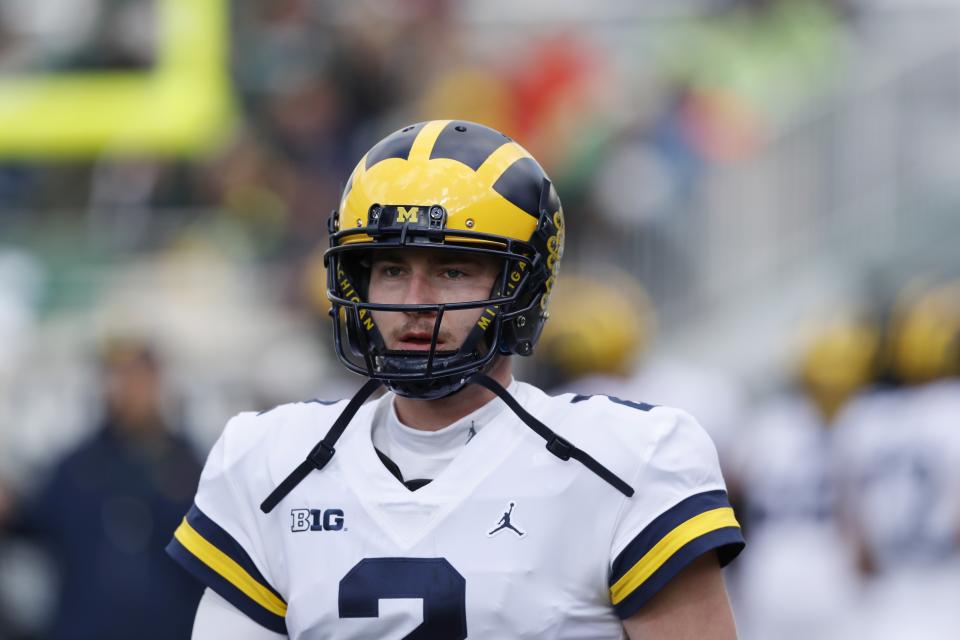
point(105, 515)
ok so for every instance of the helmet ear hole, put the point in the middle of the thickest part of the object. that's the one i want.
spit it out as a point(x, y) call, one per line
point(521, 333)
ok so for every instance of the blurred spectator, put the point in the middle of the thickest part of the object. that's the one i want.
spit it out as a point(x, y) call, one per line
point(107, 509)
point(22, 282)
point(86, 35)
point(254, 186)
point(752, 67)
point(644, 191)
point(17, 183)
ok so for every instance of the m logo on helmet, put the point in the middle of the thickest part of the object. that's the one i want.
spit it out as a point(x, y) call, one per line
point(408, 214)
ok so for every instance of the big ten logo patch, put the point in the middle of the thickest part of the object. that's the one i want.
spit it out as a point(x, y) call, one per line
point(554, 254)
point(317, 520)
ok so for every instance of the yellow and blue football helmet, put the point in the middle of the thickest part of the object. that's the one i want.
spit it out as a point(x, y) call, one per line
point(840, 358)
point(924, 337)
point(444, 185)
point(601, 324)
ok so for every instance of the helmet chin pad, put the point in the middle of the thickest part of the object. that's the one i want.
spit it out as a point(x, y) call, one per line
point(410, 363)
point(432, 389)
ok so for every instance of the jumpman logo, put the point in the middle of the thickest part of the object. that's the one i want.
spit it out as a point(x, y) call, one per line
point(506, 524)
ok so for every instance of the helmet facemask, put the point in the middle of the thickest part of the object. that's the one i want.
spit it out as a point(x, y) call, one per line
point(434, 371)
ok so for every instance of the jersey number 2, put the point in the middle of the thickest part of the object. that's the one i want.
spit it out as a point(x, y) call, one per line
point(434, 580)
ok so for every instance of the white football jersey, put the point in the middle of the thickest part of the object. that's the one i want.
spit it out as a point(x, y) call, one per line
point(714, 397)
point(899, 453)
point(799, 580)
point(783, 463)
point(508, 541)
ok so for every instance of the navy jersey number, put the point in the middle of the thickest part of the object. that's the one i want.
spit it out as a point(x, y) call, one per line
point(434, 580)
point(911, 474)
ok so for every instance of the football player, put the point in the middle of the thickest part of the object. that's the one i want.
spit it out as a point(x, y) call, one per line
point(461, 503)
point(898, 454)
point(799, 580)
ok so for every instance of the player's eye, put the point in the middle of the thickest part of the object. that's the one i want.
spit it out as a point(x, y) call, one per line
point(391, 270)
point(452, 273)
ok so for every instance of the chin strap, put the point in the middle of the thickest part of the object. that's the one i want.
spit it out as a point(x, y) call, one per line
point(556, 445)
point(323, 452)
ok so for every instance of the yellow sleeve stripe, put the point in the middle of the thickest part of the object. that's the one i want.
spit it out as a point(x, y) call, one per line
point(671, 543)
point(423, 143)
point(228, 569)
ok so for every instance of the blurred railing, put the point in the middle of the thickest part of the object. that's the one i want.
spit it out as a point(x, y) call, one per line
point(869, 180)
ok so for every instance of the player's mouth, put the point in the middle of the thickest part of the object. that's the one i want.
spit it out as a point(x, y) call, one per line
point(416, 341)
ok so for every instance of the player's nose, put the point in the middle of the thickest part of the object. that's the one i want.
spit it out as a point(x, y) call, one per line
point(420, 291)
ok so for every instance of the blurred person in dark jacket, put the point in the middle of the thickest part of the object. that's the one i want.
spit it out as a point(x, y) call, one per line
point(107, 508)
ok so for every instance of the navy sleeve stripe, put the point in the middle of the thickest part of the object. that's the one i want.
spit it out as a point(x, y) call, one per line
point(727, 542)
point(226, 589)
point(666, 522)
point(223, 541)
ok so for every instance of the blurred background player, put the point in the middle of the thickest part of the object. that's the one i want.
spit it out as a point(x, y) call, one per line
point(601, 338)
point(105, 509)
point(600, 329)
point(789, 492)
point(898, 460)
